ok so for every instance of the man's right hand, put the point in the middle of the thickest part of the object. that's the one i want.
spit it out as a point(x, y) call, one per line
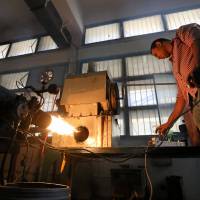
point(162, 129)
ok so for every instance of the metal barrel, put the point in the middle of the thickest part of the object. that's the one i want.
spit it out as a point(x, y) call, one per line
point(35, 191)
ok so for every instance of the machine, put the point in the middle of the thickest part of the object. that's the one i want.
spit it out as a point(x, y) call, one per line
point(91, 103)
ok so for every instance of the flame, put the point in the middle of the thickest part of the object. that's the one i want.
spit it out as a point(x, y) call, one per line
point(60, 126)
point(91, 142)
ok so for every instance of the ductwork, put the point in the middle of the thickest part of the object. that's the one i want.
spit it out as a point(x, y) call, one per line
point(48, 16)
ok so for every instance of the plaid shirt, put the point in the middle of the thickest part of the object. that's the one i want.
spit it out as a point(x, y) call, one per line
point(182, 58)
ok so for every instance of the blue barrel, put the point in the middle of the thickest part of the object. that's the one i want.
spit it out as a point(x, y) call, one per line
point(35, 191)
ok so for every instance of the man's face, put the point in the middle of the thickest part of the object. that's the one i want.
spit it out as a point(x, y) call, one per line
point(160, 52)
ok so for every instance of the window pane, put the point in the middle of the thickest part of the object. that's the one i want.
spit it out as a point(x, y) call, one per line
point(121, 126)
point(49, 102)
point(102, 33)
point(120, 121)
point(23, 47)
point(4, 50)
point(140, 93)
point(113, 67)
point(164, 78)
point(146, 64)
point(121, 101)
point(14, 80)
point(143, 122)
point(166, 93)
point(166, 89)
point(142, 26)
point(175, 20)
point(47, 43)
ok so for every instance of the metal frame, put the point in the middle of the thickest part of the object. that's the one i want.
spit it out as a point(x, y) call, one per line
point(38, 37)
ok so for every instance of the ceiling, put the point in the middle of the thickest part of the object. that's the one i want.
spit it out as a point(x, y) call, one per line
point(18, 22)
point(98, 11)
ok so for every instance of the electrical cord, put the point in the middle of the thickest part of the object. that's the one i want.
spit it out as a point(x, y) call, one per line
point(106, 158)
point(130, 156)
point(147, 174)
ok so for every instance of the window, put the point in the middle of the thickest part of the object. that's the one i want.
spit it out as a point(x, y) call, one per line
point(4, 50)
point(166, 89)
point(120, 121)
point(141, 93)
point(150, 98)
point(143, 122)
point(49, 102)
point(46, 43)
point(102, 33)
point(142, 26)
point(146, 64)
point(175, 20)
point(114, 67)
point(23, 47)
point(121, 101)
point(14, 80)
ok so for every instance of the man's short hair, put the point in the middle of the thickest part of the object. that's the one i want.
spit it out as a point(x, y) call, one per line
point(153, 44)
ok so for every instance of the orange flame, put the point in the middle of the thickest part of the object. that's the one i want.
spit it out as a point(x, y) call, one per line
point(60, 126)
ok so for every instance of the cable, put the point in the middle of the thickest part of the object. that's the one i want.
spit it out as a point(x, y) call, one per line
point(130, 156)
point(147, 174)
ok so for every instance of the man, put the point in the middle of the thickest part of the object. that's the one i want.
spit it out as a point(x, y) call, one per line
point(184, 53)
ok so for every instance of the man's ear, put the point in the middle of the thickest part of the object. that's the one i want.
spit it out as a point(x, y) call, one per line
point(158, 44)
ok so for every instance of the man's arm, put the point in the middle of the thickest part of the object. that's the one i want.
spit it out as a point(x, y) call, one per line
point(178, 108)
